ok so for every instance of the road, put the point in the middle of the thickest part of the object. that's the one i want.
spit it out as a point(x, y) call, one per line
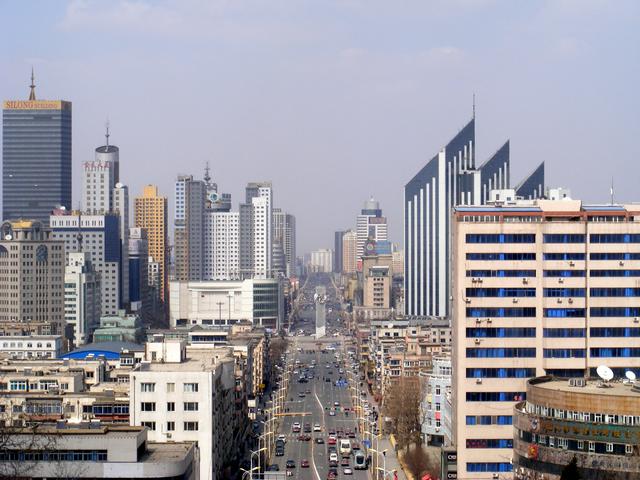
point(313, 408)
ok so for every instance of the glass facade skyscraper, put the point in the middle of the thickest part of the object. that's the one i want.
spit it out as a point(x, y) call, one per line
point(36, 158)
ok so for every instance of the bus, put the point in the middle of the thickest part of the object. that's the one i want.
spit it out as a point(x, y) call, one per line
point(360, 461)
point(345, 447)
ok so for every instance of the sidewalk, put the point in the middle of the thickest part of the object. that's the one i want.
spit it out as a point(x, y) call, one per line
point(392, 462)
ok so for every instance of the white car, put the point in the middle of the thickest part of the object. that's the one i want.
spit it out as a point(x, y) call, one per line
point(333, 457)
point(296, 425)
point(316, 428)
point(332, 413)
point(282, 437)
point(347, 471)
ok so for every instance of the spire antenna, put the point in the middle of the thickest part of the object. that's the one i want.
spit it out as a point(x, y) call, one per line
point(474, 105)
point(611, 191)
point(106, 135)
point(207, 177)
point(32, 93)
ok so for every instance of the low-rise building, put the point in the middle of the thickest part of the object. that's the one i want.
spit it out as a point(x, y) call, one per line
point(32, 346)
point(595, 422)
point(122, 327)
point(436, 404)
point(92, 450)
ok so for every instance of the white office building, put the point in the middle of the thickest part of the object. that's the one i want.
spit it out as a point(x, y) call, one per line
point(284, 230)
point(370, 224)
point(321, 260)
point(222, 247)
point(82, 301)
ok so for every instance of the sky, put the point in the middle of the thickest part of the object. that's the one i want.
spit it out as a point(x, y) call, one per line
point(336, 100)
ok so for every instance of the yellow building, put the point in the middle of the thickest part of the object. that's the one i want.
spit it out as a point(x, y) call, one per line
point(151, 214)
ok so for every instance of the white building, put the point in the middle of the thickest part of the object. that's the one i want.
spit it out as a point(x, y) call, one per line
point(260, 301)
point(82, 297)
point(370, 224)
point(436, 406)
point(284, 229)
point(32, 346)
point(262, 233)
point(99, 180)
point(222, 247)
point(321, 260)
point(184, 397)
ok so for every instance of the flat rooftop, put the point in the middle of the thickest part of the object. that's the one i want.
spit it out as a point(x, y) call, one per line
point(166, 452)
point(615, 388)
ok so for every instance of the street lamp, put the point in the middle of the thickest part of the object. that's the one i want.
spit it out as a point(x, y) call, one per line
point(384, 462)
point(247, 472)
point(255, 452)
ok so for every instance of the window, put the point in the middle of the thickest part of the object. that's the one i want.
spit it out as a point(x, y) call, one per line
point(580, 444)
point(628, 449)
point(614, 238)
point(190, 406)
point(20, 385)
point(190, 426)
point(563, 273)
point(501, 352)
point(614, 331)
point(171, 426)
point(563, 238)
point(171, 387)
point(564, 292)
point(525, 312)
point(609, 447)
point(171, 406)
point(489, 467)
point(437, 389)
point(614, 311)
point(524, 332)
point(592, 446)
point(614, 256)
point(564, 312)
point(496, 396)
point(564, 353)
point(148, 387)
point(149, 425)
point(501, 238)
point(148, 406)
point(501, 273)
point(510, 256)
point(564, 332)
point(563, 256)
point(501, 292)
point(190, 387)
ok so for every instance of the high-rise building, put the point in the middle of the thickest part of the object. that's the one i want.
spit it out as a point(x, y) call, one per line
point(82, 302)
point(138, 256)
point(222, 245)
point(121, 207)
point(150, 213)
point(337, 251)
point(190, 198)
point(540, 287)
point(450, 178)
point(349, 241)
point(321, 260)
point(260, 196)
point(284, 230)
point(36, 157)
point(370, 225)
point(32, 280)
point(98, 235)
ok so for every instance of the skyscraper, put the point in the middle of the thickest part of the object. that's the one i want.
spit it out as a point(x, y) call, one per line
point(337, 251)
point(190, 198)
point(284, 230)
point(138, 257)
point(150, 213)
point(256, 224)
point(349, 262)
point(36, 157)
point(222, 250)
point(370, 225)
point(82, 297)
point(448, 179)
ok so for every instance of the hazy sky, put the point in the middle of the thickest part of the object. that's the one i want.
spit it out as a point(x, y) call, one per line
point(335, 101)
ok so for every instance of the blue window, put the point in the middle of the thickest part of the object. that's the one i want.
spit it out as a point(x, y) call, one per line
point(615, 292)
point(564, 312)
point(563, 238)
point(526, 312)
point(496, 396)
point(564, 353)
point(501, 238)
point(501, 352)
point(614, 256)
point(489, 442)
point(566, 372)
point(614, 238)
point(615, 311)
point(564, 273)
point(605, 352)
point(501, 273)
point(615, 273)
point(502, 256)
point(564, 292)
point(501, 292)
point(489, 467)
point(523, 332)
point(563, 332)
point(489, 420)
point(500, 372)
point(614, 331)
point(563, 256)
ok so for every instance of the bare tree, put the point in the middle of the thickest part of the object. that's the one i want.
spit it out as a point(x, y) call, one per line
point(402, 407)
point(418, 462)
point(15, 442)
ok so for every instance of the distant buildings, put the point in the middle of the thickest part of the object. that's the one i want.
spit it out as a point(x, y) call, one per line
point(542, 287)
point(450, 178)
point(32, 281)
point(284, 231)
point(321, 260)
point(36, 157)
point(82, 298)
point(370, 225)
point(139, 300)
point(338, 260)
point(349, 247)
point(190, 196)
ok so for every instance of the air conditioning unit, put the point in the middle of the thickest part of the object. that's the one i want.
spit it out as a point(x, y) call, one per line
point(559, 300)
point(635, 319)
point(570, 300)
point(467, 300)
point(476, 341)
point(478, 321)
point(621, 263)
point(489, 320)
point(572, 263)
point(560, 280)
point(525, 281)
point(515, 300)
point(478, 380)
point(168, 435)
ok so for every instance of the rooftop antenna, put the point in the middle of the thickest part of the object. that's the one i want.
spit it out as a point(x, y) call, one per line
point(474, 105)
point(611, 191)
point(106, 135)
point(32, 93)
point(207, 177)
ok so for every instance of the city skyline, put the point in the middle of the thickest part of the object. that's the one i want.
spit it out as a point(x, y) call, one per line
point(351, 108)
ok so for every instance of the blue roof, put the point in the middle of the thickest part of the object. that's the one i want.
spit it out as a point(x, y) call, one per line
point(111, 350)
point(604, 208)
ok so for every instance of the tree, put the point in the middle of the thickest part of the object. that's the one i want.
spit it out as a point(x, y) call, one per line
point(418, 463)
point(402, 407)
point(571, 472)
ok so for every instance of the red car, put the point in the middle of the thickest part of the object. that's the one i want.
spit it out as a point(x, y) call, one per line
point(332, 440)
point(304, 463)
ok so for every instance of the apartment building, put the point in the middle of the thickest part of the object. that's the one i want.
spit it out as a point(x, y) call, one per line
point(31, 346)
point(436, 404)
point(182, 396)
point(539, 287)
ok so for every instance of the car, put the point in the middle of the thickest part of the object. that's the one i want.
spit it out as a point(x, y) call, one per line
point(336, 404)
point(355, 446)
point(274, 467)
point(307, 428)
point(332, 413)
point(316, 428)
point(301, 395)
point(304, 463)
point(282, 437)
point(319, 440)
point(291, 463)
point(332, 431)
point(331, 475)
point(332, 440)
point(347, 471)
point(345, 462)
point(304, 438)
point(351, 434)
point(308, 391)
point(333, 457)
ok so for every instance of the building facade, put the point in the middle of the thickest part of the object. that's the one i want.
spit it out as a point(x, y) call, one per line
point(150, 213)
point(543, 287)
point(36, 157)
point(222, 245)
point(284, 230)
point(321, 260)
point(190, 197)
point(138, 254)
point(32, 280)
point(349, 244)
point(82, 298)
point(370, 225)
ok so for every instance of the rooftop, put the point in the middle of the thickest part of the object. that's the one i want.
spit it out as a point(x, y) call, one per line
point(615, 388)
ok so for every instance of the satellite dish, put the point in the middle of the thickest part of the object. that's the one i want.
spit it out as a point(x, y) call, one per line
point(605, 373)
point(7, 237)
point(630, 375)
